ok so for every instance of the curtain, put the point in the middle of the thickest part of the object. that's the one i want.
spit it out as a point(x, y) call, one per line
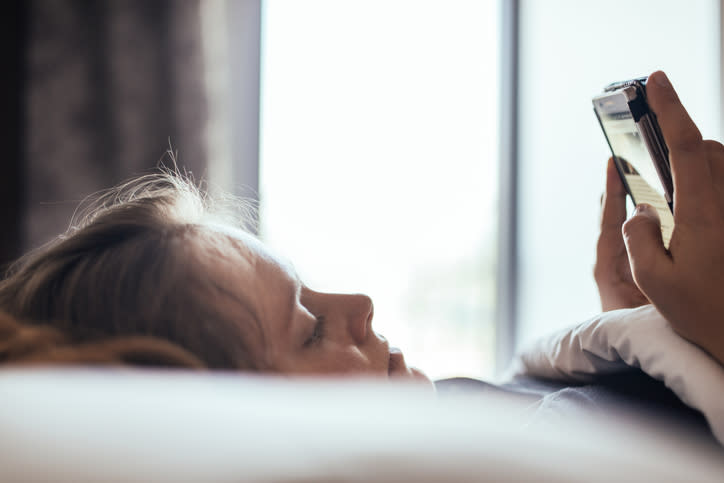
point(109, 85)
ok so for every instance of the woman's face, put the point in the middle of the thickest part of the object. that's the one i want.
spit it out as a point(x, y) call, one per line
point(309, 332)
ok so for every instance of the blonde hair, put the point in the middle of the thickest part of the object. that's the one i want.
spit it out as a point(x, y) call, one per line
point(130, 271)
point(28, 344)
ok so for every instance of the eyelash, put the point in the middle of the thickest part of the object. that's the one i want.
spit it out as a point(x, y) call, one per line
point(318, 332)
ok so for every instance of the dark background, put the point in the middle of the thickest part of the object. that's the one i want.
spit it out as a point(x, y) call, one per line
point(13, 25)
point(93, 92)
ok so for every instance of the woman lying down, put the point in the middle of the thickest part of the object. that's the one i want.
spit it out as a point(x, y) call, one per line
point(155, 275)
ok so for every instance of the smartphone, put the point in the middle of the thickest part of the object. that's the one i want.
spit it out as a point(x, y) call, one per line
point(638, 147)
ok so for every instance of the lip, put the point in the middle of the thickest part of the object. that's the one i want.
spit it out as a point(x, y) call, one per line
point(396, 362)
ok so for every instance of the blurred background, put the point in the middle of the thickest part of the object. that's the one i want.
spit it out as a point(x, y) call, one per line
point(441, 156)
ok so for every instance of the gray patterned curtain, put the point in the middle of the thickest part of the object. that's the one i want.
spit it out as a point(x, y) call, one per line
point(108, 85)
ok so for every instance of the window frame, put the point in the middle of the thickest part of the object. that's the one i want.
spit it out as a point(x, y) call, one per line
point(506, 322)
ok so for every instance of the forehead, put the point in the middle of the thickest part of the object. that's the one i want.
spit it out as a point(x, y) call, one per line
point(250, 251)
point(263, 280)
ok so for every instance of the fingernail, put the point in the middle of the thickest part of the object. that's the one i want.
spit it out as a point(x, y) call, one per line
point(661, 79)
point(643, 209)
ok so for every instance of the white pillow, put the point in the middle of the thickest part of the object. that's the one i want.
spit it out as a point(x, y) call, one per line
point(639, 338)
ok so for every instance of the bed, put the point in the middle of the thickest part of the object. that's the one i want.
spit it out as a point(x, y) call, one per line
point(90, 425)
point(132, 425)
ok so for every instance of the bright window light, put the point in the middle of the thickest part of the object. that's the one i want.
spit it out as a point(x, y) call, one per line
point(378, 169)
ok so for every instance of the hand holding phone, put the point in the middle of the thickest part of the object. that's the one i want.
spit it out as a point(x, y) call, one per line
point(685, 282)
point(638, 147)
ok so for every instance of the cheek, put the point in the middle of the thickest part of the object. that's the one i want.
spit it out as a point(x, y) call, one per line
point(336, 360)
point(354, 361)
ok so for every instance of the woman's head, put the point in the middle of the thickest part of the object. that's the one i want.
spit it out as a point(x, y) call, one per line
point(131, 266)
point(304, 331)
point(155, 258)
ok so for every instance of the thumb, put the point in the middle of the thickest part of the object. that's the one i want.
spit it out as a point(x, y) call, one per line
point(647, 255)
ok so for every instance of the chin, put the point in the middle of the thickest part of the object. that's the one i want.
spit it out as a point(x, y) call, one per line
point(420, 377)
point(399, 370)
point(412, 375)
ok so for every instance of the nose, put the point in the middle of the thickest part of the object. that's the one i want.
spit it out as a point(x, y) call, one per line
point(359, 311)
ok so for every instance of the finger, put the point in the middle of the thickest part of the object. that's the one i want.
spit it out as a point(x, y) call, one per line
point(715, 156)
point(680, 132)
point(613, 212)
point(686, 149)
point(716, 165)
point(648, 258)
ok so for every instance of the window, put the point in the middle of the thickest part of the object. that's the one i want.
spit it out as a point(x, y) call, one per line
point(569, 50)
point(377, 148)
point(378, 164)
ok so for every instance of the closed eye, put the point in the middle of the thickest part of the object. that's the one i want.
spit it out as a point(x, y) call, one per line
point(317, 333)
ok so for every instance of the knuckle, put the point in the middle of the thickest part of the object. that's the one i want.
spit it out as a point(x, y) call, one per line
point(631, 226)
point(713, 147)
point(646, 219)
point(597, 271)
point(688, 142)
